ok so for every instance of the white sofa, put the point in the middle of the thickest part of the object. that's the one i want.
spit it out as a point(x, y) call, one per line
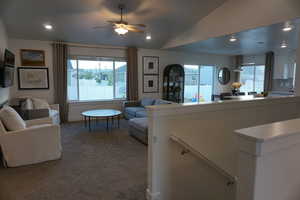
point(29, 111)
point(40, 141)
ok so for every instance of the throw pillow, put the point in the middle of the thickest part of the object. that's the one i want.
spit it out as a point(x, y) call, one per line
point(147, 102)
point(11, 119)
point(40, 103)
point(27, 104)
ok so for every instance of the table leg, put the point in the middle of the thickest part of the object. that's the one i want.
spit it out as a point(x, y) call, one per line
point(107, 119)
point(112, 121)
point(90, 124)
point(85, 121)
point(118, 121)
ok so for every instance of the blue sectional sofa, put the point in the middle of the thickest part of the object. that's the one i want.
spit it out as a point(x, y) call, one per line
point(136, 112)
point(136, 109)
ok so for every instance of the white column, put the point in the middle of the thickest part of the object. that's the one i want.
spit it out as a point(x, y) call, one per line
point(269, 162)
point(297, 75)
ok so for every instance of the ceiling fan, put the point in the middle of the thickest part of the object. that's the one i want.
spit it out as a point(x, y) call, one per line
point(122, 27)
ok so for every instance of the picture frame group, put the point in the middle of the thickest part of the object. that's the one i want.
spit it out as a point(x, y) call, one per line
point(33, 75)
point(150, 74)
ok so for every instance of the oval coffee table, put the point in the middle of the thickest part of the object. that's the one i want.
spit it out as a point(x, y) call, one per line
point(101, 113)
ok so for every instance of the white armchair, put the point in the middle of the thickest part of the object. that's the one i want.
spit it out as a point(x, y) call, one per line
point(39, 142)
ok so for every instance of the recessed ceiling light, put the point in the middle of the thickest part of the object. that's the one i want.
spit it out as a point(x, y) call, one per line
point(283, 45)
point(48, 26)
point(148, 37)
point(287, 27)
point(232, 39)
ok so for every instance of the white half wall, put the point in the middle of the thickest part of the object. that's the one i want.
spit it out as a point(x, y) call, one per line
point(4, 92)
point(208, 128)
point(15, 45)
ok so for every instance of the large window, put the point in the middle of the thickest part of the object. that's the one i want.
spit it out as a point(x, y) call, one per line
point(198, 85)
point(95, 78)
point(252, 78)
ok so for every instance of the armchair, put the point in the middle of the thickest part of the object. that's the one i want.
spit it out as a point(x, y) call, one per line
point(39, 142)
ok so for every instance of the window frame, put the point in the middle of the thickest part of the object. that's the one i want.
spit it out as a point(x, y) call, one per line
point(199, 75)
point(97, 58)
point(254, 75)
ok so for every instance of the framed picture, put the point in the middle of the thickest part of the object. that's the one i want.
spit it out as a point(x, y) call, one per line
point(150, 65)
point(31, 57)
point(151, 84)
point(30, 78)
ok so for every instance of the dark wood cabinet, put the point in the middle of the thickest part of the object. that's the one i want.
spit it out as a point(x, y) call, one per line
point(173, 83)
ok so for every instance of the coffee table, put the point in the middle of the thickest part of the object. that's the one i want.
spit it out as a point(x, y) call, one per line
point(101, 113)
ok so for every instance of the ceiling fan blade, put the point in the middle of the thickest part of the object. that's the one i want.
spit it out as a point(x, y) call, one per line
point(99, 27)
point(132, 29)
point(140, 25)
point(113, 22)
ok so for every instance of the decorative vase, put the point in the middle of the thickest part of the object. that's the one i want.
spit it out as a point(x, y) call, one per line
point(235, 92)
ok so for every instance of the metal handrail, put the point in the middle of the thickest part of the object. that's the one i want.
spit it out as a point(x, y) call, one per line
point(188, 148)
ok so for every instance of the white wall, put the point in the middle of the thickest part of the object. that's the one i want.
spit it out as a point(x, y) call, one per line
point(15, 45)
point(4, 92)
point(173, 57)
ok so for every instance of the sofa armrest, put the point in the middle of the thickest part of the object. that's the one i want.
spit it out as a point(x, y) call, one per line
point(131, 103)
point(55, 107)
point(40, 121)
point(31, 145)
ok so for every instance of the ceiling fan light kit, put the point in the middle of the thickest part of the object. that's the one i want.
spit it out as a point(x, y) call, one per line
point(122, 27)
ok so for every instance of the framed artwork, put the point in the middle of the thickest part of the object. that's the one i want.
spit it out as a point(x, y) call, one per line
point(150, 65)
point(30, 78)
point(151, 84)
point(31, 57)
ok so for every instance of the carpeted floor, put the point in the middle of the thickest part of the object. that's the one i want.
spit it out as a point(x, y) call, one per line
point(94, 166)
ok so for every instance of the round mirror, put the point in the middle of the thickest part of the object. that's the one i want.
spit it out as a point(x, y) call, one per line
point(224, 76)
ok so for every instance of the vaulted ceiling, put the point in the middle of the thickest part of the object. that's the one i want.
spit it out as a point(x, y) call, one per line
point(73, 20)
point(253, 41)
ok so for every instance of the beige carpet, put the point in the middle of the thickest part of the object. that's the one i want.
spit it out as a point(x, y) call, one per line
point(94, 166)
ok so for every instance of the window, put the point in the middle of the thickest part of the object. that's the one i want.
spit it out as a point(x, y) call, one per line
point(95, 78)
point(252, 78)
point(198, 86)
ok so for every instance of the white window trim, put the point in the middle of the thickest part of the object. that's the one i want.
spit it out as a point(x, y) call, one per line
point(97, 58)
point(254, 74)
point(199, 75)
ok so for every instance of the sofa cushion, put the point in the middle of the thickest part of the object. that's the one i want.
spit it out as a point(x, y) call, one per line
point(147, 102)
point(11, 119)
point(142, 113)
point(27, 104)
point(161, 102)
point(40, 103)
point(140, 124)
point(133, 110)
